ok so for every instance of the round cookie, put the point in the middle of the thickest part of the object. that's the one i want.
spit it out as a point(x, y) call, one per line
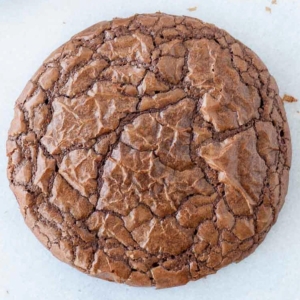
point(151, 151)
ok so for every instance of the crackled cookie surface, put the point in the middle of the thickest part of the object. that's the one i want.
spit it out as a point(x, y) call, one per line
point(151, 151)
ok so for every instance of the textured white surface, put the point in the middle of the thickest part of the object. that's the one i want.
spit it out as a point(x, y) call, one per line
point(30, 30)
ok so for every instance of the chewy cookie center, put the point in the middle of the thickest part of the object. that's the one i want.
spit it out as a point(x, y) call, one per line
point(138, 142)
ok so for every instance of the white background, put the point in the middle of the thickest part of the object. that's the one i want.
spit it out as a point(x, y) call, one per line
point(30, 30)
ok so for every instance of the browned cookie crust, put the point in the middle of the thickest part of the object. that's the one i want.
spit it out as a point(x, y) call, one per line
point(151, 150)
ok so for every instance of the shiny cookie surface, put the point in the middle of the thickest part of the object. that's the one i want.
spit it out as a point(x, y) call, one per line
point(152, 151)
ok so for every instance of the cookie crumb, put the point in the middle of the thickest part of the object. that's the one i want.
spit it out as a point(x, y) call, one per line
point(268, 9)
point(288, 98)
point(274, 2)
point(192, 8)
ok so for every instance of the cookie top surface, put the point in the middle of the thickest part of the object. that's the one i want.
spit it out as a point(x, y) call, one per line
point(151, 150)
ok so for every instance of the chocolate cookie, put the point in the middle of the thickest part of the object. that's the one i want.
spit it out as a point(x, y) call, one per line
point(151, 150)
